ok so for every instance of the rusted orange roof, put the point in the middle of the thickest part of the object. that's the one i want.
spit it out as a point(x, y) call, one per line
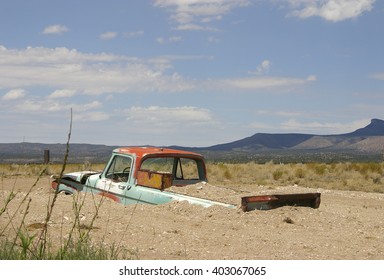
point(141, 152)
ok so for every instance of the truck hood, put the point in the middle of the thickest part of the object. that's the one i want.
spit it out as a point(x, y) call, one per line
point(80, 176)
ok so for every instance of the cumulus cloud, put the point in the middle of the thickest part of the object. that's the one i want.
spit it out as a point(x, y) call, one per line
point(108, 35)
point(38, 106)
point(161, 40)
point(166, 116)
point(43, 106)
point(195, 14)
point(55, 29)
point(173, 39)
point(86, 73)
point(263, 68)
point(95, 116)
point(190, 26)
point(330, 10)
point(255, 83)
point(62, 93)
point(284, 114)
point(72, 72)
point(314, 127)
point(312, 78)
point(14, 94)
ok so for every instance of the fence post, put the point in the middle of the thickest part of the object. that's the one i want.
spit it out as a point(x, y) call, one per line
point(46, 156)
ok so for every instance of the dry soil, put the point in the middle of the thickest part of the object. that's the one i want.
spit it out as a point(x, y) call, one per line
point(347, 225)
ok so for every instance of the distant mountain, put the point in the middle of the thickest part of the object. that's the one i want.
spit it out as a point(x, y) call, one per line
point(263, 141)
point(366, 141)
point(375, 128)
point(34, 152)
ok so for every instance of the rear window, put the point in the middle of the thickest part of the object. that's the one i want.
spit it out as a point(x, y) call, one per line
point(180, 168)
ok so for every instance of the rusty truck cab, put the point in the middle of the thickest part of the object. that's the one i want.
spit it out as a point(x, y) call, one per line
point(163, 167)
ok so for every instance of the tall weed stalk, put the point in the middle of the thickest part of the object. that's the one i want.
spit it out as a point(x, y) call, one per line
point(25, 245)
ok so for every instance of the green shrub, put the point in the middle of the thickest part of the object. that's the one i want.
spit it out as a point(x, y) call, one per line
point(300, 173)
point(277, 175)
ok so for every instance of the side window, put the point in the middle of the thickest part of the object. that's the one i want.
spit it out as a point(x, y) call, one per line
point(184, 170)
point(119, 169)
point(187, 169)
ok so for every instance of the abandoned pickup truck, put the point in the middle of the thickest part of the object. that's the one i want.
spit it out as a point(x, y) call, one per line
point(143, 175)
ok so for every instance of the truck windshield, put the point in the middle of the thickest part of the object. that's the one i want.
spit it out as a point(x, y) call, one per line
point(119, 169)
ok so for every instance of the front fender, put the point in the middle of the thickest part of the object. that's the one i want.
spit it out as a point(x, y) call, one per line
point(66, 185)
point(72, 182)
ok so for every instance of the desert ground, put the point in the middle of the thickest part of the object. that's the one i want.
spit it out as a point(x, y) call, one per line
point(347, 225)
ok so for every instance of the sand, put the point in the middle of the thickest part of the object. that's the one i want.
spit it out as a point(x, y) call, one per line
point(347, 225)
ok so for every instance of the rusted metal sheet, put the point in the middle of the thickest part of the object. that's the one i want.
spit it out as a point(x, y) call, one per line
point(267, 202)
point(157, 180)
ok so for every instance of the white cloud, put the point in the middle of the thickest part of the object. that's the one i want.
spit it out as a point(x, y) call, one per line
point(166, 116)
point(193, 14)
point(51, 56)
point(55, 29)
point(161, 40)
point(108, 35)
point(189, 26)
point(279, 113)
point(330, 10)
point(88, 106)
point(41, 105)
point(62, 93)
point(73, 72)
point(292, 125)
point(14, 94)
point(90, 116)
point(86, 73)
point(38, 106)
point(173, 39)
point(196, 27)
point(255, 83)
point(263, 68)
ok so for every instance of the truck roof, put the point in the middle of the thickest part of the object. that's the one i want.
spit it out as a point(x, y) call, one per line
point(141, 152)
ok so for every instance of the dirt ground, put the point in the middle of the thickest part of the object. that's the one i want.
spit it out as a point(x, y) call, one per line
point(348, 225)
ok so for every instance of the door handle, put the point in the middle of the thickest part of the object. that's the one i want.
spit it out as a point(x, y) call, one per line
point(121, 187)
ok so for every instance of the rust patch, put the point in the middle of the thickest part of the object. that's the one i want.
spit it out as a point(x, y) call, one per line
point(152, 179)
point(267, 202)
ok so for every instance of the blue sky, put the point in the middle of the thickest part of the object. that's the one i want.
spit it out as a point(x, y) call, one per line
point(188, 72)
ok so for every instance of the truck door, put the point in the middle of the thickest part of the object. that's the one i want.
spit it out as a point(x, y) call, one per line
point(115, 178)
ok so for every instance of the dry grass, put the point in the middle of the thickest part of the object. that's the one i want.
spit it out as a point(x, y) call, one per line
point(52, 169)
point(367, 177)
